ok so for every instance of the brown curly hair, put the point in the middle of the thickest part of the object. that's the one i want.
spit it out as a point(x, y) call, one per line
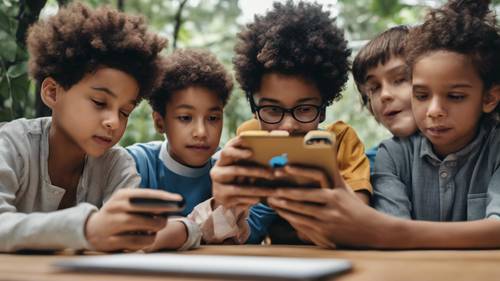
point(190, 67)
point(78, 40)
point(388, 44)
point(467, 27)
point(293, 39)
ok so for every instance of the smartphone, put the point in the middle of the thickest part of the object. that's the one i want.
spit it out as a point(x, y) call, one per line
point(158, 203)
point(276, 149)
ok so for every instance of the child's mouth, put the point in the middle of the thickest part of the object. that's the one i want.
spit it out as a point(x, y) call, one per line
point(198, 147)
point(437, 131)
point(102, 140)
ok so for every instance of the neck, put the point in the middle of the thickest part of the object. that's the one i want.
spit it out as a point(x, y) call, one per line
point(65, 156)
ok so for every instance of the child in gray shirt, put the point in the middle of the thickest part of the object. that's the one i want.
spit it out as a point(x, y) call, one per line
point(55, 172)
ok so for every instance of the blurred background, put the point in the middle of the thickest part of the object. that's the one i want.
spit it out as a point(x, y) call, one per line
point(210, 24)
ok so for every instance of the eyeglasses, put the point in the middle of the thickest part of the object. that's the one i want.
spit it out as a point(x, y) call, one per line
point(273, 114)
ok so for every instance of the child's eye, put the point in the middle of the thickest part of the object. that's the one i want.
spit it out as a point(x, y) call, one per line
point(400, 80)
point(125, 114)
point(184, 118)
point(420, 96)
point(373, 89)
point(456, 97)
point(99, 104)
point(214, 118)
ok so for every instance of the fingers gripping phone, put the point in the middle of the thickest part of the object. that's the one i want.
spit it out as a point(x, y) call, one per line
point(276, 149)
point(153, 203)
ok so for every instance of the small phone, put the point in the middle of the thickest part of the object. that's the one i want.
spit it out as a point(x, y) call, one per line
point(157, 203)
point(276, 149)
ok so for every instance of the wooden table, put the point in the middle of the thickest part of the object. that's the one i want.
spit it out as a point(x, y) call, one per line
point(367, 265)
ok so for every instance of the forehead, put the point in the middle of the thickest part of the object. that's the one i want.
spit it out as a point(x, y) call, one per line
point(441, 67)
point(392, 66)
point(195, 97)
point(287, 89)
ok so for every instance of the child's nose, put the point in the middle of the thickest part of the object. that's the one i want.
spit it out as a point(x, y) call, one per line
point(435, 108)
point(111, 121)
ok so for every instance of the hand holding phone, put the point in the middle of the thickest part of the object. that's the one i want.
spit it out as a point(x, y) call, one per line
point(157, 203)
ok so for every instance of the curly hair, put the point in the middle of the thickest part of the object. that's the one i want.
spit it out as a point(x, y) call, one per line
point(294, 40)
point(78, 40)
point(379, 50)
point(467, 27)
point(189, 67)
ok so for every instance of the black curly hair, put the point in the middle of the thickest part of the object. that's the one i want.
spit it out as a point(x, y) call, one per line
point(466, 27)
point(293, 39)
point(78, 40)
point(379, 50)
point(190, 67)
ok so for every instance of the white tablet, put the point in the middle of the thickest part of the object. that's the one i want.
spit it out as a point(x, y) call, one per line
point(209, 266)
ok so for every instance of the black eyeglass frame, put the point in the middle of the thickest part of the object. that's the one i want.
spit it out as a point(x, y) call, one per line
point(256, 109)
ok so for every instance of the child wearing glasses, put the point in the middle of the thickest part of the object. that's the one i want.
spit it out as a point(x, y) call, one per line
point(292, 63)
point(188, 109)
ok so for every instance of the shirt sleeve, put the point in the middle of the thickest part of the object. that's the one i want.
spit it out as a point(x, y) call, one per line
point(260, 219)
point(122, 171)
point(493, 198)
point(390, 192)
point(220, 225)
point(353, 164)
point(48, 231)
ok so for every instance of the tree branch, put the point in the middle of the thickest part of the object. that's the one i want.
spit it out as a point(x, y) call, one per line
point(178, 23)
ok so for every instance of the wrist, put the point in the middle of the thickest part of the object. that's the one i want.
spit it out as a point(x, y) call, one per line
point(395, 234)
point(89, 230)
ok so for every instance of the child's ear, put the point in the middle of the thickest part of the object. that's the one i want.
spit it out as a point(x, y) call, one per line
point(159, 122)
point(48, 92)
point(491, 99)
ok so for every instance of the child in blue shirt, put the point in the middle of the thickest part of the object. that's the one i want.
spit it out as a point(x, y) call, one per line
point(188, 109)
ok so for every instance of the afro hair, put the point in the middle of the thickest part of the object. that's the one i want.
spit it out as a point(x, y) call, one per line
point(187, 68)
point(78, 40)
point(293, 39)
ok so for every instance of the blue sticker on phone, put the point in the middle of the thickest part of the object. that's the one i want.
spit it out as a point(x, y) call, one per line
point(278, 161)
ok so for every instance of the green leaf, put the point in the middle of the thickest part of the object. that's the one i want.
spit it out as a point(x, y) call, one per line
point(8, 46)
point(17, 70)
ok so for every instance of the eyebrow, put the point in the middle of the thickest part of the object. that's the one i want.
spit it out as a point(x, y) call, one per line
point(187, 106)
point(461, 86)
point(276, 101)
point(112, 94)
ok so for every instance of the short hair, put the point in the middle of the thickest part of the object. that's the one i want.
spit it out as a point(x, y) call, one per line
point(78, 40)
point(385, 46)
point(187, 68)
point(293, 39)
point(466, 27)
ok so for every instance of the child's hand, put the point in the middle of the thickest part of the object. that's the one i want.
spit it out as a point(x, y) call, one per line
point(118, 225)
point(227, 178)
point(326, 216)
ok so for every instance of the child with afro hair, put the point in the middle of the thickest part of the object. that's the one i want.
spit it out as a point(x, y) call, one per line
point(292, 63)
point(188, 109)
point(61, 177)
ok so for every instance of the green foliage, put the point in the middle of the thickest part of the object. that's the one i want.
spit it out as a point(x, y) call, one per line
point(210, 24)
point(15, 100)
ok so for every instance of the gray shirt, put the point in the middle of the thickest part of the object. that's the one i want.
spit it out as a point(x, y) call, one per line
point(29, 218)
point(411, 182)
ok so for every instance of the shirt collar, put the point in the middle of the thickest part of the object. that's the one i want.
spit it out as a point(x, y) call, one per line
point(427, 151)
point(179, 168)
